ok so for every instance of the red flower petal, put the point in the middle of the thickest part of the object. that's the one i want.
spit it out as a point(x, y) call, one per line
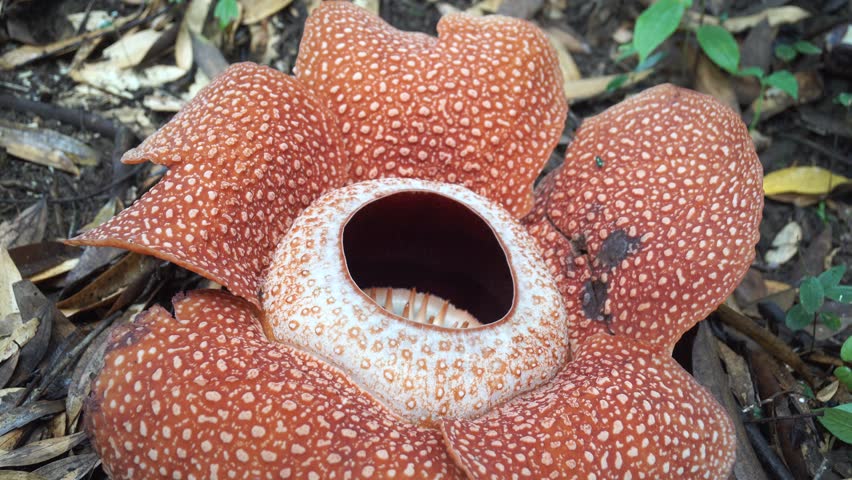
point(481, 105)
point(620, 407)
point(653, 219)
point(208, 395)
point(246, 156)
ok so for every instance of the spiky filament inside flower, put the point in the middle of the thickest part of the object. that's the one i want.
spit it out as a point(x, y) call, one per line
point(422, 307)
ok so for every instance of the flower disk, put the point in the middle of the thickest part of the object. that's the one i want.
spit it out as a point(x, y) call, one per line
point(480, 106)
point(422, 372)
point(652, 220)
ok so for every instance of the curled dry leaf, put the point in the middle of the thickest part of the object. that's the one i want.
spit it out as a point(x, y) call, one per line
point(10, 397)
point(70, 468)
point(570, 71)
point(785, 245)
point(19, 475)
point(40, 451)
point(806, 180)
point(257, 10)
point(20, 416)
point(45, 259)
point(592, 87)
point(132, 48)
point(46, 147)
point(9, 275)
point(115, 80)
point(28, 227)
point(23, 333)
point(775, 17)
point(128, 271)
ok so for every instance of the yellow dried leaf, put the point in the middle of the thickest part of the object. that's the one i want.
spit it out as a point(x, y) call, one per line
point(804, 180)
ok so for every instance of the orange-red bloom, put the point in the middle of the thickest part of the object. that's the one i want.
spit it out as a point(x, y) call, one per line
point(321, 370)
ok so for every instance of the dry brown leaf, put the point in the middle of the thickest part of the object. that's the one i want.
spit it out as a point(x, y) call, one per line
point(257, 10)
point(94, 19)
point(19, 475)
point(775, 16)
point(131, 49)
point(592, 87)
point(40, 451)
point(28, 227)
point(44, 259)
point(9, 398)
point(23, 333)
point(109, 77)
point(9, 275)
point(569, 38)
point(110, 284)
point(570, 71)
point(70, 468)
point(20, 416)
point(827, 393)
point(785, 245)
point(711, 80)
point(88, 366)
point(28, 53)
point(109, 210)
point(7, 368)
point(46, 147)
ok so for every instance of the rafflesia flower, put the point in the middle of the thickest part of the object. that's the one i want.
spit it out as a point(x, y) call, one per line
point(401, 303)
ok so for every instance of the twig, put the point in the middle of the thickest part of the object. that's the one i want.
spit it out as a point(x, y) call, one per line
point(767, 454)
point(797, 416)
point(78, 118)
point(765, 339)
point(819, 148)
point(69, 357)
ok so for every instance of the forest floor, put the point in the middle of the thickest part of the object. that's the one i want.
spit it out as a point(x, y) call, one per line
point(82, 81)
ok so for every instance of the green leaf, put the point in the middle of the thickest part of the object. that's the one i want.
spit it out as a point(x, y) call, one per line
point(844, 374)
point(616, 82)
point(720, 46)
point(750, 72)
point(832, 276)
point(811, 294)
point(656, 24)
point(844, 98)
point(807, 391)
point(840, 293)
point(846, 350)
point(838, 421)
point(785, 52)
point(650, 62)
point(806, 47)
point(831, 320)
point(625, 50)
point(226, 11)
point(797, 318)
point(785, 81)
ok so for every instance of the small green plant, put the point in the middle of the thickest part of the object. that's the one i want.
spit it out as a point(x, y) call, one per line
point(838, 421)
point(226, 11)
point(844, 98)
point(812, 294)
point(788, 52)
point(659, 21)
point(844, 373)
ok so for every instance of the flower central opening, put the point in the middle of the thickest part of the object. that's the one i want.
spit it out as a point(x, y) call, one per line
point(428, 258)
